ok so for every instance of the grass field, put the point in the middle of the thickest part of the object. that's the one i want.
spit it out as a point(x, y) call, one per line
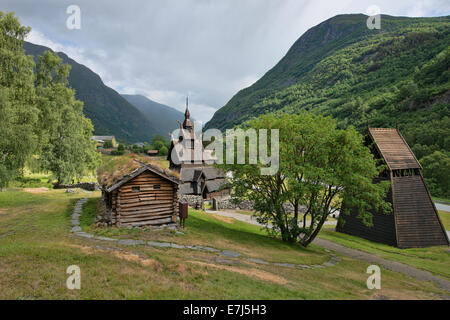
point(204, 229)
point(36, 248)
point(443, 200)
point(32, 180)
point(445, 218)
point(433, 259)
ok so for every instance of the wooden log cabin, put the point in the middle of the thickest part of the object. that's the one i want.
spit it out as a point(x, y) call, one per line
point(147, 196)
point(415, 221)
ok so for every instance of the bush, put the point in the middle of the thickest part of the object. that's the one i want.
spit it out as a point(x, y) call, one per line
point(436, 169)
point(163, 151)
point(118, 152)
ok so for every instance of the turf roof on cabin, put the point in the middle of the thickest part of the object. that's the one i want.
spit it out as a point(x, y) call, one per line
point(115, 170)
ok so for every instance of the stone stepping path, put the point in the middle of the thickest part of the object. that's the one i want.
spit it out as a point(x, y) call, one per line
point(76, 215)
point(77, 231)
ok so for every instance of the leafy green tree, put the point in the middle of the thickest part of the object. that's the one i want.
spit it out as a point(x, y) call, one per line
point(436, 169)
point(158, 145)
point(146, 147)
point(120, 150)
point(436, 70)
point(136, 149)
point(163, 151)
point(67, 148)
point(18, 113)
point(162, 144)
point(319, 166)
point(159, 141)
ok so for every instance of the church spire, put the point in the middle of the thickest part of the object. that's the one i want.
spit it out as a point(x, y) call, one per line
point(187, 114)
point(187, 124)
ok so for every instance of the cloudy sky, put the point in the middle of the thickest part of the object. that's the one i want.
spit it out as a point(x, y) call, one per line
point(207, 49)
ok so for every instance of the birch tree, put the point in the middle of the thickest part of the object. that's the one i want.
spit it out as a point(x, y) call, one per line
point(319, 166)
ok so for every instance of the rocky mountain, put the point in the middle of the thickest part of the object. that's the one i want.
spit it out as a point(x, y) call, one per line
point(162, 118)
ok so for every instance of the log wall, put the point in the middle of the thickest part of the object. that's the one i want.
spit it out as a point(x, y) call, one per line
point(141, 202)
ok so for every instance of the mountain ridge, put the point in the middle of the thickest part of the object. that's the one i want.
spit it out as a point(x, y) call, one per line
point(314, 46)
point(399, 75)
point(163, 118)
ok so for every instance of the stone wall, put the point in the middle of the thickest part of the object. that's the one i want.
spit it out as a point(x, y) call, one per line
point(193, 201)
point(228, 203)
point(89, 186)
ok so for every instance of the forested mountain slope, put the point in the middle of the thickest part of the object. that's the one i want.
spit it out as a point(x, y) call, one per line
point(359, 76)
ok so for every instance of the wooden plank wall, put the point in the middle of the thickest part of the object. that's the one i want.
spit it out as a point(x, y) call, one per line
point(418, 224)
point(148, 206)
point(382, 231)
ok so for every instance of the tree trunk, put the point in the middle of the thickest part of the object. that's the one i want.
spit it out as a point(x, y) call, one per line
point(296, 210)
point(306, 242)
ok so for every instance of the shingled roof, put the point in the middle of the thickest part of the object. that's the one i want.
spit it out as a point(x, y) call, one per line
point(214, 185)
point(191, 180)
point(394, 149)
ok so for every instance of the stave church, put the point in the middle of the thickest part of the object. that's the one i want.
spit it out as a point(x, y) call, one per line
point(195, 164)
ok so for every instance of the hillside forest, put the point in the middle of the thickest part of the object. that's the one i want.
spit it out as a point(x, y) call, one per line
point(397, 75)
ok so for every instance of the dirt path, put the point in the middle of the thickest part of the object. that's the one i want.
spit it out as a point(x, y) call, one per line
point(442, 206)
point(356, 254)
